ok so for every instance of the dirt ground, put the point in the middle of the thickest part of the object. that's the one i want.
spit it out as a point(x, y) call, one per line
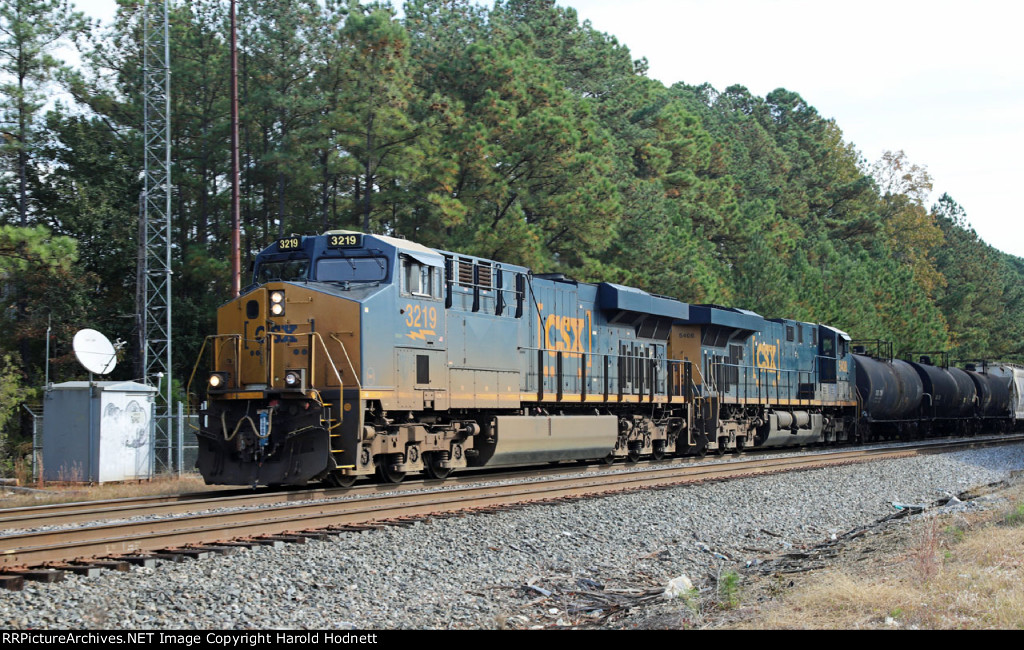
point(953, 565)
point(960, 566)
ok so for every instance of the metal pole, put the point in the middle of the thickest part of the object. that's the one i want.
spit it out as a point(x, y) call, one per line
point(156, 273)
point(92, 432)
point(236, 244)
point(46, 382)
point(167, 221)
point(181, 437)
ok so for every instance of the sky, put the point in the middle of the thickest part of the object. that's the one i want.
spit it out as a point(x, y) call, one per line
point(942, 81)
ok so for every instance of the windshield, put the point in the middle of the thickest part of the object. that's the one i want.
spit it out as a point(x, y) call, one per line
point(351, 269)
point(282, 270)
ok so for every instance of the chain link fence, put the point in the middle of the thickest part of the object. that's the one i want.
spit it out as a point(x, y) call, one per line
point(175, 447)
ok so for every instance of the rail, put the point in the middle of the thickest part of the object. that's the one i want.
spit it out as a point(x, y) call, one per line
point(204, 525)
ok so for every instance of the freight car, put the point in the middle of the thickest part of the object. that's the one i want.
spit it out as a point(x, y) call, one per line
point(921, 398)
point(355, 354)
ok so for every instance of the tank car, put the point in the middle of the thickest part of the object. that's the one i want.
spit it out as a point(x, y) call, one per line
point(891, 393)
point(911, 399)
point(1013, 376)
point(992, 407)
point(354, 354)
point(943, 398)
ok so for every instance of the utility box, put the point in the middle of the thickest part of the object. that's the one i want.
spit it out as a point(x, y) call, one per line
point(98, 432)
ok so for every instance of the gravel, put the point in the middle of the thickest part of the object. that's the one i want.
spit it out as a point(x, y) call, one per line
point(509, 569)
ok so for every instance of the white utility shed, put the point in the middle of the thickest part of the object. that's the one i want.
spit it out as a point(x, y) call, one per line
point(98, 432)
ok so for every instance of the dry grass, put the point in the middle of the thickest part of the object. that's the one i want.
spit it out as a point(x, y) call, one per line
point(951, 574)
point(69, 493)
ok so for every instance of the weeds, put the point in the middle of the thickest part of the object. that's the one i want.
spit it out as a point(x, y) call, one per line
point(160, 484)
point(965, 572)
point(925, 554)
point(955, 533)
point(1015, 517)
point(729, 590)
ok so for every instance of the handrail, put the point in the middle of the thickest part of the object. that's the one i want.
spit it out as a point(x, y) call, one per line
point(655, 362)
point(265, 344)
point(330, 359)
point(355, 375)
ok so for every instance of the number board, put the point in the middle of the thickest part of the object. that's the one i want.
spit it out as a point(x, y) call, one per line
point(344, 241)
point(289, 243)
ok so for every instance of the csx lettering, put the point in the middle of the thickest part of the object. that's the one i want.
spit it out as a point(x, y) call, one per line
point(287, 330)
point(767, 356)
point(566, 334)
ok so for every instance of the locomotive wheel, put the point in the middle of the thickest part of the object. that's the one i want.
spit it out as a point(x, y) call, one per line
point(658, 451)
point(720, 450)
point(701, 449)
point(609, 459)
point(633, 455)
point(337, 479)
point(432, 467)
point(388, 475)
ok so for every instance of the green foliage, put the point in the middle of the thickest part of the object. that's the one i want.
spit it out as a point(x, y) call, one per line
point(31, 247)
point(514, 132)
point(729, 590)
point(30, 33)
point(1015, 517)
point(956, 534)
point(979, 281)
point(10, 403)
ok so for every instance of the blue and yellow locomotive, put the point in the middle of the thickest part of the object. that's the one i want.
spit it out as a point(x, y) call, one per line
point(354, 354)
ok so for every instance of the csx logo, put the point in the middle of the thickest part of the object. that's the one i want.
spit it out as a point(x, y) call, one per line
point(566, 334)
point(288, 330)
point(767, 356)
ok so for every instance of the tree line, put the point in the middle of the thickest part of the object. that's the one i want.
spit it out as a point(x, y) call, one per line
point(514, 132)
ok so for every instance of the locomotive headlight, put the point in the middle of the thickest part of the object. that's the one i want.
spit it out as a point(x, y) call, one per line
point(295, 379)
point(218, 380)
point(277, 303)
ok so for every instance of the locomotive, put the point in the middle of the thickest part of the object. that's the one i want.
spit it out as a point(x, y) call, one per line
point(355, 354)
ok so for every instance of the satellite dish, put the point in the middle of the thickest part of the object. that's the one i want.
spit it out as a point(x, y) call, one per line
point(94, 351)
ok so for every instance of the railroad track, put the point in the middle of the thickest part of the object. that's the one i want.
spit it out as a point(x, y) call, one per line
point(184, 527)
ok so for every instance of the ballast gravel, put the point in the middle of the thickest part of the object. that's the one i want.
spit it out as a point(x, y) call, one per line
point(496, 570)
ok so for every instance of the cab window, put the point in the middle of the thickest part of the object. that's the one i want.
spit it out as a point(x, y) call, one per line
point(420, 279)
point(282, 270)
point(351, 269)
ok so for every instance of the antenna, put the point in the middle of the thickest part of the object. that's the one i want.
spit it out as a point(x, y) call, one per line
point(154, 274)
point(94, 351)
